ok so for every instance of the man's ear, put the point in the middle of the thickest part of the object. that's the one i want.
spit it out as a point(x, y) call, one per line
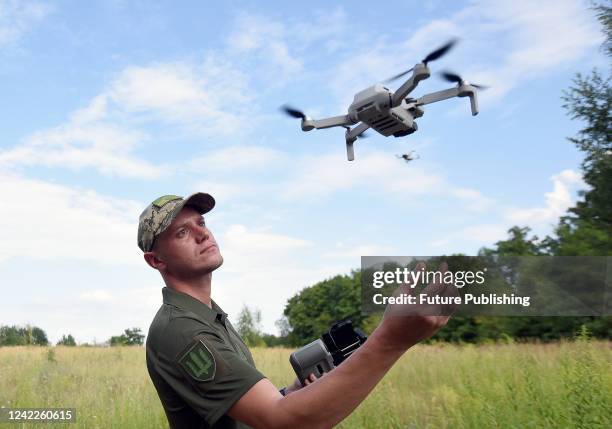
point(153, 260)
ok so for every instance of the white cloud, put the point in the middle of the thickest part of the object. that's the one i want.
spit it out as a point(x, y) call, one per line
point(556, 202)
point(98, 295)
point(504, 44)
point(204, 99)
point(110, 311)
point(265, 40)
point(476, 201)
point(210, 98)
point(17, 17)
point(355, 252)
point(234, 158)
point(43, 220)
point(325, 175)
point(255, 244)
point(80, 144)
point(481, 234)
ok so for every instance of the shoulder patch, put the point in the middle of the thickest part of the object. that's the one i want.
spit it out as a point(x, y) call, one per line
point(199, 362)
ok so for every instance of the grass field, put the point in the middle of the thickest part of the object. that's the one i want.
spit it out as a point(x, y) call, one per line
point(433, 386)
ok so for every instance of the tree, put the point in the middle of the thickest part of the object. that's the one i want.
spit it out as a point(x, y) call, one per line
point(11, 336)
point(518, 244)
point(67, 341)
point(249, 327)
point(38, 337)
point(22, 336)
point(312, 311)
point(587, 228)
point(130, 337)
point(134, 337)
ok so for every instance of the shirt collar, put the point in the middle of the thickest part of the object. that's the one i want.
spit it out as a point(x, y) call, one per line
point(187, 302)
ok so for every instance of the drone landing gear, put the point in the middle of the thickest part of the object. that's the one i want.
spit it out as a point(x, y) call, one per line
point(350, 151)
point(351, 136)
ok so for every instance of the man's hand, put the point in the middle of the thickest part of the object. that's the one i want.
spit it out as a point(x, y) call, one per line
point(405, 325)
point(297, 385)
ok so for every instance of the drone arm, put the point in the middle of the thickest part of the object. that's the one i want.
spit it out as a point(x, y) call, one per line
point(420, 73)
point(438, 96)
point(334, 121)
point(460, 91)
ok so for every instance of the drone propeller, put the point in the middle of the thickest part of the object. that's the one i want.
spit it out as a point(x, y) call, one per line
point(294, 113)
point(440, 52)
point(432, 56)
point(397, 76)
point(455, 78)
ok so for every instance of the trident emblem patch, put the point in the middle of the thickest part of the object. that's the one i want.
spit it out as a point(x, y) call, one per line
point(199, 362)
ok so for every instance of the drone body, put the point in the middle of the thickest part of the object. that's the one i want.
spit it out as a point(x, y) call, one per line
point(387, 112)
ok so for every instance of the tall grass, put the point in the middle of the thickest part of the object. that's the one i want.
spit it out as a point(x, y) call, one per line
point(566, 384)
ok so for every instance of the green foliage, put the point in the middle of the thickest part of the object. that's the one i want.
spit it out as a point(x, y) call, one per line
point(249, 327)
point(130, 337)
point(67, 341)
point(543, 328)
point(274, 341)
point(587, 228)
point(588, 395)
point(518, 244)
point(22, 336)
point(313, 310)
point(51, 356)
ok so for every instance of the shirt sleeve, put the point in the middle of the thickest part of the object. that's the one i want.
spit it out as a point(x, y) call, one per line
point(205, 370)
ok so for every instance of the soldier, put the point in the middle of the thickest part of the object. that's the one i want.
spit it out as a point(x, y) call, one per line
point(203, 372)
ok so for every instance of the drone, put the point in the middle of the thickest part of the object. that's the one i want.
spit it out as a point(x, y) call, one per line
point(391, 113)
point(408, 156)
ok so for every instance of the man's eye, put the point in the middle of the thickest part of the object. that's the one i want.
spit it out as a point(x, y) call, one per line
point(181, 233)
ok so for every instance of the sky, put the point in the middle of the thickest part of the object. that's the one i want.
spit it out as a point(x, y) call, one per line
point(107, 105)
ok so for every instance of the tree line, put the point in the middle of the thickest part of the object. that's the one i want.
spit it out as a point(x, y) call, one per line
point(27, 335)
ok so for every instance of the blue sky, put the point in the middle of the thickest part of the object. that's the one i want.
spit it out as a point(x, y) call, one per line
point(107, 105)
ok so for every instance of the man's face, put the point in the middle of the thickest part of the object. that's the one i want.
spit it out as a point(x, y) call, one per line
point(187, 248)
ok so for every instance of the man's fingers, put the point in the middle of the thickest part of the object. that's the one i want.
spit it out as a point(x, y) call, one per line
point(311, 378)
point(407, 287)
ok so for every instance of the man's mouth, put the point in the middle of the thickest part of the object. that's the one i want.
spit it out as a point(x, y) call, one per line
point(206, 249)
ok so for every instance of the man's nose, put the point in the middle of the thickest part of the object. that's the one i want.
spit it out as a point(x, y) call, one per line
point(202, 233)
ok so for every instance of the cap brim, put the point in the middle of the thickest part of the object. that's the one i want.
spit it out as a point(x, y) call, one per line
point(200, 201)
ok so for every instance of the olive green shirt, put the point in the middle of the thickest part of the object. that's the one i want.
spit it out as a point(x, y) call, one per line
point(198, 363)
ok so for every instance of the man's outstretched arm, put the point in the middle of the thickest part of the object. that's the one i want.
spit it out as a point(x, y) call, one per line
point(334, 396)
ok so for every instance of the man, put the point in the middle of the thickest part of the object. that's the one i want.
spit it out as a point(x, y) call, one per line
point(205, 375)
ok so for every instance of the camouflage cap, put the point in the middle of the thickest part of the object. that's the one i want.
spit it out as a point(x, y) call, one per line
point(160, 213)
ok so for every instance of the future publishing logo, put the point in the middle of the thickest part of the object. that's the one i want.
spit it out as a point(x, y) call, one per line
point(458, 279)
